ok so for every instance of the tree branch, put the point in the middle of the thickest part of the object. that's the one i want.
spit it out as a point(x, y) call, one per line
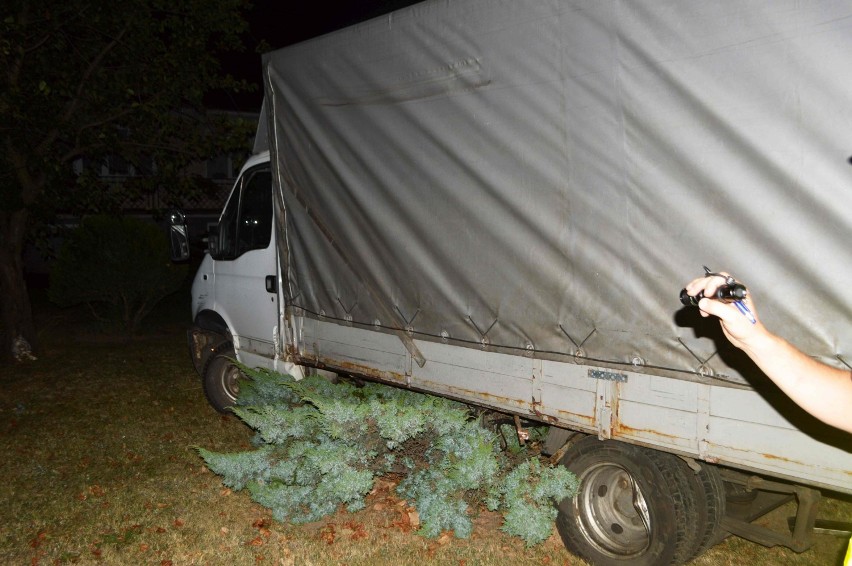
point(74, 102)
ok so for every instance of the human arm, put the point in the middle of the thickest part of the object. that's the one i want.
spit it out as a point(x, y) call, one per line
point(822, 390)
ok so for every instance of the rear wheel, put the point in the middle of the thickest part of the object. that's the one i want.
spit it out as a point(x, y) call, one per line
point(221, 379)
point(632, 506)
point(710, 497)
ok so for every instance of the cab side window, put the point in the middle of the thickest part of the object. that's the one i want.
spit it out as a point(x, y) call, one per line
point(246, 223)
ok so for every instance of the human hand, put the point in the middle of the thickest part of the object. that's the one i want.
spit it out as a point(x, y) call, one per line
point(736, 325)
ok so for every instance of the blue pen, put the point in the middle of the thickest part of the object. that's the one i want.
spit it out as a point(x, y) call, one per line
point(746, 312)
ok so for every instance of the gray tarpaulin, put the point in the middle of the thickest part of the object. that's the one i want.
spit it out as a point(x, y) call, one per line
point(546, 175)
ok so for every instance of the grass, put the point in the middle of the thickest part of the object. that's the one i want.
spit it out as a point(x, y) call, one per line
point(98, 445)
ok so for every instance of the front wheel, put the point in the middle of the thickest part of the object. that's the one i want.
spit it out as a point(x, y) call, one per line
point(628, 509)
point(221, 379)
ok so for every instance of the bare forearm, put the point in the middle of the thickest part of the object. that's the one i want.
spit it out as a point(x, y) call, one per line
point(823, 391)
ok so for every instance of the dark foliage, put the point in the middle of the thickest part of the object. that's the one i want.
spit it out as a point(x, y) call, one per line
point(117, 266)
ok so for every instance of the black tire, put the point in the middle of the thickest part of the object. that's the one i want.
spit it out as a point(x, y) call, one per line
point(632, 507)
point(711, 499)
point(680, 481)
point(221, 379)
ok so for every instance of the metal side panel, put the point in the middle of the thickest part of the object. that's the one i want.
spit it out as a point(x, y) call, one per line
point(350, 349)
point(745, 430)
point(736, 427)
point(254, 360)
point(569, 395)
point(496, 380)
point(660, 411)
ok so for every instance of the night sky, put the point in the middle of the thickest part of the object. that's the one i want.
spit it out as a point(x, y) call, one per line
point(281, 23)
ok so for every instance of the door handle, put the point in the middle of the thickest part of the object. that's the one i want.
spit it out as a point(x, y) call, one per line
point(271, 284)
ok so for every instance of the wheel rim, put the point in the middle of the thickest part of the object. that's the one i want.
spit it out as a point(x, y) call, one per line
point(612, 511)
point(230, 381)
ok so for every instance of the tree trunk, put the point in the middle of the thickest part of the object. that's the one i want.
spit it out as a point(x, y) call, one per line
point(15, 311)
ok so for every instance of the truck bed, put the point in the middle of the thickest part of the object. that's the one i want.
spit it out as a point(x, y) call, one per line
point(733, 426)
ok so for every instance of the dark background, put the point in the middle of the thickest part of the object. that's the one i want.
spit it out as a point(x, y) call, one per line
point(276, 24)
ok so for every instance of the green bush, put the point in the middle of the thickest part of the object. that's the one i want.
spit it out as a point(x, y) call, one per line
point(117, 266)
point(321, 445)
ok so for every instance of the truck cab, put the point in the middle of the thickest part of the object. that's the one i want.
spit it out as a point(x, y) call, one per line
point(235, 293)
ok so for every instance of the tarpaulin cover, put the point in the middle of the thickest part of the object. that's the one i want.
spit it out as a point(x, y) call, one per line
point(544, 176)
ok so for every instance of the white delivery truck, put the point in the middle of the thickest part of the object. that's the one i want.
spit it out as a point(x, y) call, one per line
point(498, 201)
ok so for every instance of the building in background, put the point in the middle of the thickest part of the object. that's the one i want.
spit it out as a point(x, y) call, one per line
point(201, 210)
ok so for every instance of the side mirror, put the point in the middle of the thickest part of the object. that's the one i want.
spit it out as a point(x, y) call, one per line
point(178, 236)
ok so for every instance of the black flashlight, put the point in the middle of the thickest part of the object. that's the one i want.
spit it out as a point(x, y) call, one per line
point(724, 293)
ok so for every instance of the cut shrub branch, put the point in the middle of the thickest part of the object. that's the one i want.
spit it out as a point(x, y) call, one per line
point(322, 444)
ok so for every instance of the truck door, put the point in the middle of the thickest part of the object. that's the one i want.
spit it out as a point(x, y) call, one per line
point(245, 270)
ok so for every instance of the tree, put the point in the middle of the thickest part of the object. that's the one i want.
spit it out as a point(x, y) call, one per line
point(116, 266)
point(91, 79)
